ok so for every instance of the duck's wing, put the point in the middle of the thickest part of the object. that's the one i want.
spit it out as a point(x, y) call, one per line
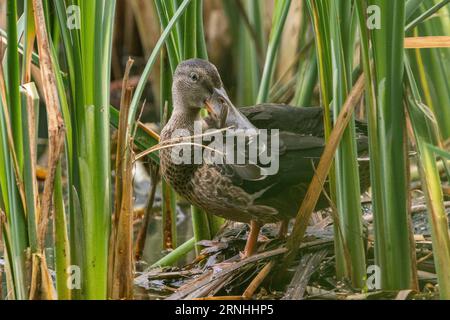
point(292, 163)
point(302, 142)
point(305, 121)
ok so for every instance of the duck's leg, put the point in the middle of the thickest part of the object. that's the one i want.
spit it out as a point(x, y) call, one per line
point(252, 240)
point(282, 232)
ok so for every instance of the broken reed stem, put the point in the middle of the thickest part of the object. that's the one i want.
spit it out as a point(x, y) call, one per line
point(326, 160)
point(256, 282)
point(427, 42)
point(122, 285)
point(118, 179)
point(148, 131)
point(41, 285)
point(54, 118)
point(34, 279)
point(121, 142)
point(121, 242)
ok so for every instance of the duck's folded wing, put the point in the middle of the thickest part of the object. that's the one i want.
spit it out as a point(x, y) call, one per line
point(297, 156)
point(305, 121)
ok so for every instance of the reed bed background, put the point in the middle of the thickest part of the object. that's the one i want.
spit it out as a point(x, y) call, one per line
point(65, 74)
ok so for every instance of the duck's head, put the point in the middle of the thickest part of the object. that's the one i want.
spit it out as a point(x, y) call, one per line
point(196, 85)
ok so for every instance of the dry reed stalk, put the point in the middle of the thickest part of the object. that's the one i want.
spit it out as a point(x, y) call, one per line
point(427, 42)
point(121, 262)
point(41, 287)
point(316, 185)
point(54, 118)
point(256, 282)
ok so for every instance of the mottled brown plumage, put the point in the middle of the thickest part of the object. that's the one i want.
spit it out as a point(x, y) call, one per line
point(232, 192)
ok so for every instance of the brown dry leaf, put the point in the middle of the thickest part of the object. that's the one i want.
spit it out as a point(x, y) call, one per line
point(427, 42)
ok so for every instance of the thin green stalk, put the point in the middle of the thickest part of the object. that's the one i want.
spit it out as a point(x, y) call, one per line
point(176, 254)
point(173, 46)
point(247, 71)
point(179, 31)
point(411, 7)
point(215, 223)
point(16, 238)
point(62, 247)
point(14, 232)
point(372, 118)
point(88, 55)
point(30, 108)
point(190, 31)
point(73, 113)
point(324, 68)
point(202, 51)
point(12, 80)
point(306, 82)
point(426, 15)
point(256, 16)
point(95, 171)
point(279, 18)
point(436, 64)
point(347, 178)
point(392, 230)
point(425, 130)
point(77, 244)
point(319, 17)
point(201, 226)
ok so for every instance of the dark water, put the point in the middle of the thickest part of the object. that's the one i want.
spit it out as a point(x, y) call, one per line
point(153, 244)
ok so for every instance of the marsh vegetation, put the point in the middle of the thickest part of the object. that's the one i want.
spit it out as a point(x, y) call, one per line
point(86, 87)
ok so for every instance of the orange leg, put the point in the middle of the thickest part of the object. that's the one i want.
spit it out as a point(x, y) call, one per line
point(252, 240)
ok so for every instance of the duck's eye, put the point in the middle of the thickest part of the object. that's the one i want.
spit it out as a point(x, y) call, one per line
point(194, 76)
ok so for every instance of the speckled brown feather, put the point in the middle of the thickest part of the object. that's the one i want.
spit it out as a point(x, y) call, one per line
point(219, 190)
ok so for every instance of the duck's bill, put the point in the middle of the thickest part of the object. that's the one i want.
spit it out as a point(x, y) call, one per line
point(224, 114)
